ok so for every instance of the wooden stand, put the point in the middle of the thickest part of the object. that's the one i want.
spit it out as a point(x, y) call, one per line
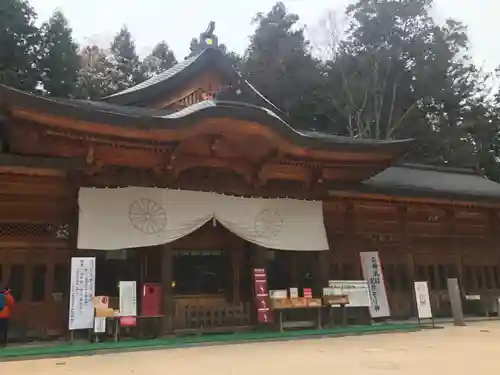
point(288, 304)
point(333, 301)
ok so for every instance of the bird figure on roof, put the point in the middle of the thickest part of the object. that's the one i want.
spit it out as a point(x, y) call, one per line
point(210, 29)
point(208, 38)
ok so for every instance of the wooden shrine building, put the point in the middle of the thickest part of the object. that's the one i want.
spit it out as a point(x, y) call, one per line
point(200, 126)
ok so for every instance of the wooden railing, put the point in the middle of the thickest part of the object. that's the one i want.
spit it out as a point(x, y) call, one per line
point(211, 315)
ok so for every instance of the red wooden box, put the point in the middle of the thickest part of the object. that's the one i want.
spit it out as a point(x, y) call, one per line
point(151, 299)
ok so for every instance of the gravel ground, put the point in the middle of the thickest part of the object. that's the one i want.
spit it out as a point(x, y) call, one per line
point(474, 349)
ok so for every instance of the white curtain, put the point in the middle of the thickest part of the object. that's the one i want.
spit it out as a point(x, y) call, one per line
point(113, 219)
point(282, 224)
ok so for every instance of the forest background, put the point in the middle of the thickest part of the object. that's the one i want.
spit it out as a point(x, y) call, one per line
point(386, 69)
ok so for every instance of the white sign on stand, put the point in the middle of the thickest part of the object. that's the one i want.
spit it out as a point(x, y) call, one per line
point(372, 271)
point(99, 325)
point(356, 290)
point(82, 289)
point(423, 300)
point(128, 298)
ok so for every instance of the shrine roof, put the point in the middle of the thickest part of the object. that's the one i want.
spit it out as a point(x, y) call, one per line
point(173, 78)
point(140, 118)
point(432, 180)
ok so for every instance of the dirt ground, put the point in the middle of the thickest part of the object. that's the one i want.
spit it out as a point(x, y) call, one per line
point(474, 349)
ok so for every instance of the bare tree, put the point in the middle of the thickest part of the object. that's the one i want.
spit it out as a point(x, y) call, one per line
point(325, 36)
point(368, 97)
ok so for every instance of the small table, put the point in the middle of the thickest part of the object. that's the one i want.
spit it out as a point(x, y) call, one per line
point(344, 314)
point(318, 314)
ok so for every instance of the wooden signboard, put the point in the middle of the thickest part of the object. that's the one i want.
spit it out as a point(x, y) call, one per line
point(264, 314)
point(333, 300)
point(128, 321)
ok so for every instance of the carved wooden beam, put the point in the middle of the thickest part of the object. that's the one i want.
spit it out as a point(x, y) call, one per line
point(93, 166)
point(272, 154)
point(186, 162)
point(281, 171)
point(214, 142)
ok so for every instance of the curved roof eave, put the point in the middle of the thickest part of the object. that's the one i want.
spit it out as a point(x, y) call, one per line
point(151, 120)
point(171, 78)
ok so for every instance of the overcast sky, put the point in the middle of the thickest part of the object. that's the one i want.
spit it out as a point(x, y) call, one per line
point(178, 21)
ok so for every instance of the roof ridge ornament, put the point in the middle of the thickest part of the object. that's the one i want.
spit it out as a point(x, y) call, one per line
point(208, 39)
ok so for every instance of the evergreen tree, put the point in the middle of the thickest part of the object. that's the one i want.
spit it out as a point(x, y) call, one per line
point(19, 38)
point(160, 59)
point(59, 61)
point(398, 74)
point(97, 75)
point(279, 65)
point(125, 60)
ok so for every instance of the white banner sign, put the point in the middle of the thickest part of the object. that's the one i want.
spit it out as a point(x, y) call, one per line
point(82, 288)
point(114, 219)
point(423, 300)
point(356, 290)
point(99, 325)
point(372, 271)
point(128, 298)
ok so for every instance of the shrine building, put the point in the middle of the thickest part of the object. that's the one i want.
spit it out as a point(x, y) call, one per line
point(192, 178)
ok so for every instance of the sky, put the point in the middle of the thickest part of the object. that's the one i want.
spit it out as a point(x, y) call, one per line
point(177, 21)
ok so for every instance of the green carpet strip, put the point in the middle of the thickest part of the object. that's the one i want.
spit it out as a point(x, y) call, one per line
point(67, 350)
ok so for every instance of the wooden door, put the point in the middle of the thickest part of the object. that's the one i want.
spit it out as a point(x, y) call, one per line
point(398, 281)
point(436, 268)
point(481, 277)
point(39, 282)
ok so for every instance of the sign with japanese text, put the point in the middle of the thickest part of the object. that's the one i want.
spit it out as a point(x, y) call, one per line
point(128, 298)
point(82, 288)
point(372, 271)
point(264, 314)
point(423, 300)
point(357, 291)
point(99, 325)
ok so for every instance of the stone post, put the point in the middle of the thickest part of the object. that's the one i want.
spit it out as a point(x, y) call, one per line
point(456, 302)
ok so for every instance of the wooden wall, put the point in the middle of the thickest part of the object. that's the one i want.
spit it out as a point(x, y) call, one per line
point(417, 242)
point(37, 229)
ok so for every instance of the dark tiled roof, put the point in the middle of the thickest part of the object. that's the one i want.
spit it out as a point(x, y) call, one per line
point(435, 180)
point(333, 137)
point(158, 78)
point(171, 79)
point(152, 119)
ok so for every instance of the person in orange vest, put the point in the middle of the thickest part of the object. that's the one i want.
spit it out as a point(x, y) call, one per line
point(7, 302)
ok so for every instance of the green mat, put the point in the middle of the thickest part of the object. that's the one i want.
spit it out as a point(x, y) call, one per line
point(67, 350)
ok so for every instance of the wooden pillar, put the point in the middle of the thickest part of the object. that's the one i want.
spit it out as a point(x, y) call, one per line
point(410, 268)
point(320, 274)
point(457, 251)
point(293, 257)
point(166, 281)
point(235, 264)
point(259, 257)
